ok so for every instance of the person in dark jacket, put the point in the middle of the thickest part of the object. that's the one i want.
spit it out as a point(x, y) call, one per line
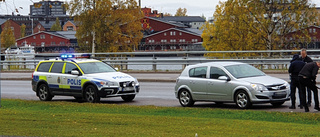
point(305, 58)
point(294, 69)
point(307, 78)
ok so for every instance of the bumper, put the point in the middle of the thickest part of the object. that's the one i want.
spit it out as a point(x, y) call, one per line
point(115, 92)
point(271, 97)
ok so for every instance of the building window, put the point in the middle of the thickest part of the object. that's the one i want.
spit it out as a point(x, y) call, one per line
point(69, 28)
point(34, 37)
point(314, 30)
point(151, 41)
point(42, 36)
point(180, 33)
point(172, 33)
point(62, 43)
point(33, 44)
point(310, 30)
point(194, 40)
point(43, 44)
point(12, 28)
point(172, 40)
point(182, 40)
point(53, 43)
point(163, 40)
point(165, 34)
point(51, 37)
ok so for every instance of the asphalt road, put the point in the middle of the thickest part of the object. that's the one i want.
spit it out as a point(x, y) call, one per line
point(152, 93)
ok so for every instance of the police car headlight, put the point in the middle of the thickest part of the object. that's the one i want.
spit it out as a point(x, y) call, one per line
point(258, 87)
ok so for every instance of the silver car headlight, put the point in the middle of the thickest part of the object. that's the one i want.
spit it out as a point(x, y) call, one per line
point(258, 87)
point(287, 85)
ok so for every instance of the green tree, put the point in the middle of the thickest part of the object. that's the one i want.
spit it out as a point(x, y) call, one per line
point(181, 12)
point(23, 30)
point(256, 24)
point(7, 36)
point(107, 25)
point(56, 26)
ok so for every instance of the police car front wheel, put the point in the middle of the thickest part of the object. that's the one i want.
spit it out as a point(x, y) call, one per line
point(43, 93)
point(91, 94)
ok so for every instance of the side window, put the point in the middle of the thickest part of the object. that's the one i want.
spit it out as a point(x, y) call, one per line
point(57, 67)
point(44, 67)
point(69, 68)
point(200, 72)
point(215, 73)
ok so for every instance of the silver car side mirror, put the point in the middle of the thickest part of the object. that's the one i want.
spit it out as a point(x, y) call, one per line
point(224, 78)
point(75, 72)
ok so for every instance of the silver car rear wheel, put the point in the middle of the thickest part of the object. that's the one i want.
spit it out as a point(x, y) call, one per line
point(185, 98)
point(242, 99)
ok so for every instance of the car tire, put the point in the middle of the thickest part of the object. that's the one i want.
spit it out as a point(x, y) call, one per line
point(91, 94)
point(44, 93)
point(128, 98)
point(242, 100)
point(277, 104)
point(185, 98)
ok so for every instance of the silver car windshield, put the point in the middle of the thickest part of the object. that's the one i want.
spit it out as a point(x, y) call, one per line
point(244, 71)
point(95, 67)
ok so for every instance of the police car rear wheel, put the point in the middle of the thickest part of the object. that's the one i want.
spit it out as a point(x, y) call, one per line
point(91, 94)
point(128, 98)
point(43, 92)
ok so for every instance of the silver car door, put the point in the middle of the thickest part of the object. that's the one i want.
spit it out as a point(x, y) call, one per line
point(197, 82)
point(220, 90)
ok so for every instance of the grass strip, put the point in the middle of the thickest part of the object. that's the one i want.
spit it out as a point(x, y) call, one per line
point(37, 118)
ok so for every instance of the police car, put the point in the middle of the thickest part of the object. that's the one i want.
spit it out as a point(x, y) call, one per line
point(83, 78)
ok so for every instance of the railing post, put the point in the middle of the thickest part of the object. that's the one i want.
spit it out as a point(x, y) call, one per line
point(154, 65)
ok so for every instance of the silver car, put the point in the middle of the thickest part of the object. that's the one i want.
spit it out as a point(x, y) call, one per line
point(227, 82)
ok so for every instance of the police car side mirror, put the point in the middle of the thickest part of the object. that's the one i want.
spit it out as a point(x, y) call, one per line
point(75, 72)
point(117, 69)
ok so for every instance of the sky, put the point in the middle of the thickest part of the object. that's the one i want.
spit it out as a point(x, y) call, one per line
point(194, 7)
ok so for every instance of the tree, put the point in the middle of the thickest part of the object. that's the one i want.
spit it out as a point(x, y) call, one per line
point(23, 30)
point(56, 26)
point(256, 24)
point(7, 36)
point(110, 25)
point(167, 14)
point(181, 12)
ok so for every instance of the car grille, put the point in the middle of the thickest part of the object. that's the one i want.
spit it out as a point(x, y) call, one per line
point(276, 87)
point(127, 84)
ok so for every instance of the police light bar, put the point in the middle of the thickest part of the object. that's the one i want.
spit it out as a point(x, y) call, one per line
point(66, 56)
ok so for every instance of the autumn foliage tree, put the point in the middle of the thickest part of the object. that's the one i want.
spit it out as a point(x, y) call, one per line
point(107, 25)
point(7, 36)
point(23, 30)
point(56, 26)
point(256, 24)
point(181, 12)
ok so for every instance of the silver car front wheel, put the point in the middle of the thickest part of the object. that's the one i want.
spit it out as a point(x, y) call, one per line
point(185, 98)
point(242, 100)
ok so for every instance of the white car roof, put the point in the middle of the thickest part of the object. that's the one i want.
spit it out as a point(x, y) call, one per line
point(217, 63)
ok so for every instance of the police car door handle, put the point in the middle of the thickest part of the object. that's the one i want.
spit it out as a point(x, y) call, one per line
point(49, 76)
point(64, 77)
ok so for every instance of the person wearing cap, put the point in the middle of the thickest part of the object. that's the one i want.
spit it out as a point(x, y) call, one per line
point(296, 64)
point(307, 78)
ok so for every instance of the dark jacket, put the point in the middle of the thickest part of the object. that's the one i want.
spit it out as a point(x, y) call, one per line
point(307, 59)
point(310, 70)
point(295, 67)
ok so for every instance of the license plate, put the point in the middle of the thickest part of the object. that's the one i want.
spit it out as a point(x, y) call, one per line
point(128, 89)
point(280, 93)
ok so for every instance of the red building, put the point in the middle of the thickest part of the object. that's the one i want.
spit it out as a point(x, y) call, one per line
point(46, 41)
point(147, 12)
point(297, 39)
point(16, 28)
point(169, 35)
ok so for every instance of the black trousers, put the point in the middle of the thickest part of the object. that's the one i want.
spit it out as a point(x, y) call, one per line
point(306, 82)
point(294, 84)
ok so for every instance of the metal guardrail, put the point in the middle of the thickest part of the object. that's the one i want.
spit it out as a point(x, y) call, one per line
point(185, 58)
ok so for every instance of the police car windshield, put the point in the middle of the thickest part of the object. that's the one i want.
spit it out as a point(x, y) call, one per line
point(95, 67)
